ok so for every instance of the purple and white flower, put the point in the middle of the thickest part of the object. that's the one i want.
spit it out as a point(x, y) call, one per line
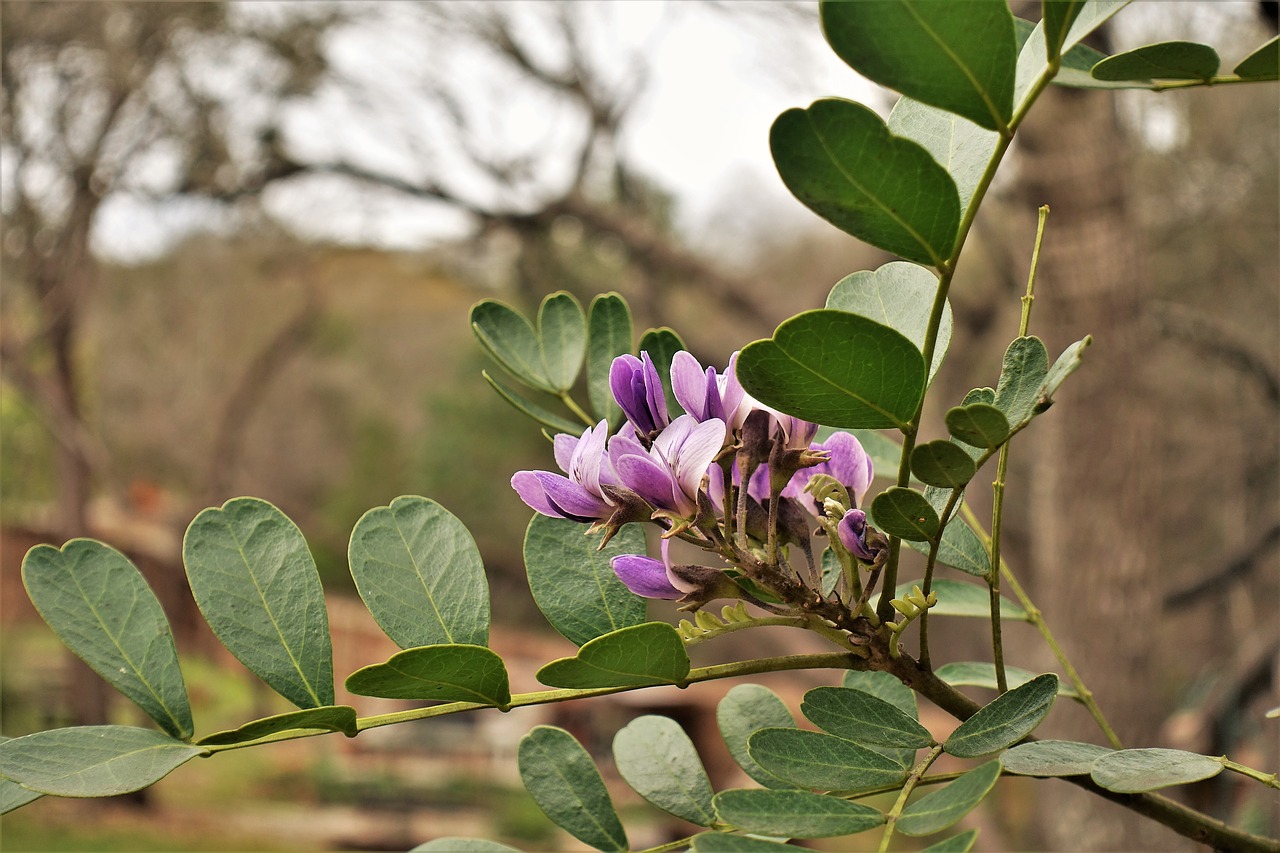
point(852, 530)
point(578, 496)
point(669, 474)
point(637, 388)
point(650, 578)
point(707, 395)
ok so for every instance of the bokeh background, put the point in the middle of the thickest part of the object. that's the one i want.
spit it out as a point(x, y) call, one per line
point(239, 245)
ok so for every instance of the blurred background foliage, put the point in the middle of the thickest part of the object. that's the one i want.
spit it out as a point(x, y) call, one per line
point(240, 242)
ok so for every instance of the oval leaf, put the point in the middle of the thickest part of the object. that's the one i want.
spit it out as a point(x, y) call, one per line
point(572, 582)
point(863, 718)
point(336, 718)
point(642, 655)
point(873, 379)
point(961, 843)
point(1066, 365)
point(659, 761)
point(1053, 758)
point(977, 674)
point(12, 795)
point(961, 549)
point(936, 811)
point(884, 686)
point(1170, 60)
point(745, 710)
point(794, 814)
point(562, 335)
point(1007, 720)
point(1262, 64)
point(420, 574)
point(1132, 771)
point(898, 295)
point(608, 336)
point(93, 761)
point(957, 144)
point(840, 160)
point(511, 340)
point(100, 606)
point(904, 513)
point(978, 424)
point(1026, 366)
point(444, 673)
point(564, 782)
point(723, 842)
point(257, 585)
point(1033, 60)
point(942, 463)
point(817, 760)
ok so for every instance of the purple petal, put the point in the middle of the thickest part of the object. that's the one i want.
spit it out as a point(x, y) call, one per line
point(585, 466)
point(853, 530)
point(644, 576)
point(531, 492)
point(732, 397)
point(563, 445)
point(689, 384)
point(570, 500)
point(690, 449)
point(849, 463)
point(655, 397)
point(649, 480)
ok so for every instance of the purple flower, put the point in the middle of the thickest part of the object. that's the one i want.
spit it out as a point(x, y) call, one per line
point(848, 463)
point(853, 535)
point(706, 395)
point(649, 577)
point(638, 390)
point(669, 474)
point(578, 496)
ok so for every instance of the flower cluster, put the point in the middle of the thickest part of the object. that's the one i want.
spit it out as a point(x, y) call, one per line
point(686, 474)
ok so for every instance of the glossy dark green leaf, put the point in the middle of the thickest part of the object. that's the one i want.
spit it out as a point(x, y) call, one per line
point(1262, 64)
point(841, 161)
point(818, 760)
point(1132, 771)
point(794, 814)
point(572, 582)
point(898, 295)
point(564, 782)
point(863, 718)
point(12, 795)
point(1170, 60)
point(539, 413)
point(641, 655)
point(940, 809)
point(562, 335)
point(443, 673)
point(1058, 17)
point(1026, 366)
point(904, 513)
point(961, 843)
point(511, 340)
point(884, 686)
point(608, 336)
point(419, 572)
point(662, 344)
point(723, 842)
point(979, 674)
point(335, 718)
point(1071, 358)
point(942, 463)
point(957, 598)
point(100, 606)
point(836, 368)
point(958, 145)
point(93, 761)
point(745, 710)
point(656, 758)
point(1007, 720)
point(1033, 60)
point(455, 844)
point(958, 57)
point(1052, 758)
point(978, 424)
point(257, 585)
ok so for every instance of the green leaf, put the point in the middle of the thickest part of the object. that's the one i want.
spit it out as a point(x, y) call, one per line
point(841, 161)
point(978, 424)
point(978, 674)
point(863, 719)
point(656, 758)
point(1058, 17)
point(511, 340)
point(960, 549)
point(1077, 65)
point(564, 782)
point(904, 513)
point(722, 842)
point(961, 843)
point(454, 844)
point(1170, 60)
point(100, 606)
point(832, 571)
point(1066, 364)
point(608, 336)
point(745, 710)
point(1007, 720)
point(1026, 367)
point(936, 811)
point(794, 814)
point(957, 598)
point(873, 378)
point(898, 295)
point(884, 686)
point(662, 344)
point(257, 585)
point(562, 334)
point(12, 795)
point(419, 572)
point(539, 413)
point(443, 673)
point(1262, 64)
point(93, 761)
point(817, 760)
point(1132, 771)
point(1032, 57)
point(1052, 758)
point(958, 57)
point(942, 463)
point(641, 655)
point(958, 145)
point(572, 582)
point(335, 718)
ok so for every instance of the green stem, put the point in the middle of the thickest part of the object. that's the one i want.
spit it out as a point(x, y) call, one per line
point(1268, 779)
point(1223, 80)
point(891, 819)
point(575, 408)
